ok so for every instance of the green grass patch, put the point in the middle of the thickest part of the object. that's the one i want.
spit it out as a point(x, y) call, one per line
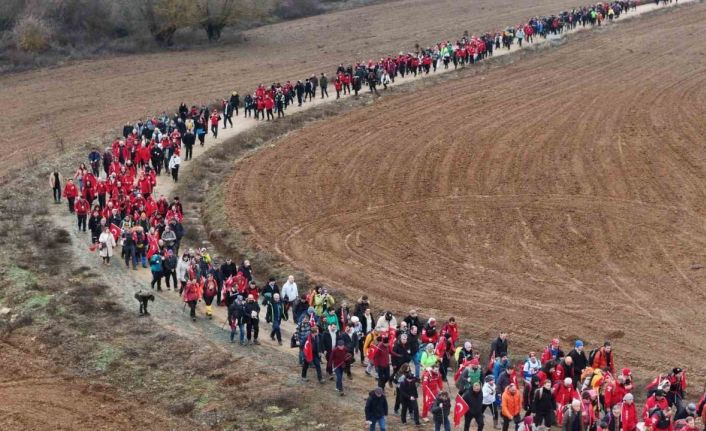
point(37, 301)
point(105, 357)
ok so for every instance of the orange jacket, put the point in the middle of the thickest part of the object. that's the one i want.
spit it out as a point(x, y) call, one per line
point(512, 404)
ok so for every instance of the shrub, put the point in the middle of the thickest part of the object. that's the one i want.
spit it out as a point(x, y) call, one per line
point(32, 34)
point(290, 9)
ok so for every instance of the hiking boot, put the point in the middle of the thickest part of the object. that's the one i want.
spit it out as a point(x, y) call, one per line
point(193, 319)
point(279, 342)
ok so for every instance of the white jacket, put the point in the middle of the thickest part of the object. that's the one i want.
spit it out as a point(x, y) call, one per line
point(181, 270)
point(290, 291)
point(174, 162)
point(488, 393)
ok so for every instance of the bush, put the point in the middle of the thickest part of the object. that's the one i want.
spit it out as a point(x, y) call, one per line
point(290, 9)
point(32, 34)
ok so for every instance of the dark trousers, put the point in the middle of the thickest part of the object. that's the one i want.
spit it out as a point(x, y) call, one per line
point(253, 328)
point(71, 204)
point(383, 375)
point(156, 278)
point(101, 200)
point(81, 221)
point(192, 309)
point(493, 409)
point(129, 255)
point(411, 407)
point(189, 152)
point(546, 418)
point(469, 417)
point(170, 274)
point(324, 90)
point(175, 173)
point(316, 363)
point(276, 331)
point(506, 422)
point(214, 130)
point(227, 119)
point(57, 194)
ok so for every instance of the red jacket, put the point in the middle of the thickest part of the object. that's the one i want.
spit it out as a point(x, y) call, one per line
point(563, 395)
point(652, 403)
point(338, 357)
point(145, 186)
point(82, 207)
point(70, 190)
point(269, 103)
point(628, 417)
point(382, 355)
point(192, 292)
point(450, 329)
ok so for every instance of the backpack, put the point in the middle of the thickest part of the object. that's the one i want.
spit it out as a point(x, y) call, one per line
point(592, 355)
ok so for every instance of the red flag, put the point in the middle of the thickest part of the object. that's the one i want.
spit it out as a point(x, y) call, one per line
point(428, 397)
point(93, 247)
point(491, 362)
point(308, 349)
point(116, 231)
point(683, 380)
point(460, 409)
point(153, 246)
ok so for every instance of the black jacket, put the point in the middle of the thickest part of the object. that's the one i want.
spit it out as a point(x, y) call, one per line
point(441, 410)
point(236, 313)
point(580, 361)
point(327, 344)
point(499, 347)
point(474, 401)
point(249, 308)
point(401, 354)
point(408, 387)
point(413, 321)
point(543, 402)
point(375, 407)
point(228, 269)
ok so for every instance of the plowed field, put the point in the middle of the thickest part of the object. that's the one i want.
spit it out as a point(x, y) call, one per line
point(82, 101)
point(562, 195)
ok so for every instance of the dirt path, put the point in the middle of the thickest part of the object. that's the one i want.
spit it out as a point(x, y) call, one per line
point(561, 195)
point(83, 101)
point(168, 309)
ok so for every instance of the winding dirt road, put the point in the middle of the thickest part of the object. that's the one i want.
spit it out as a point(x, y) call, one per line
point(81, 102)
point(559, 196)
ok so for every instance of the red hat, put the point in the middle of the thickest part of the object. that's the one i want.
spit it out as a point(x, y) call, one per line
point(626, 372)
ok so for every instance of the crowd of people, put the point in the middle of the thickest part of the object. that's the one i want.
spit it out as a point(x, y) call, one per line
point(113, 198)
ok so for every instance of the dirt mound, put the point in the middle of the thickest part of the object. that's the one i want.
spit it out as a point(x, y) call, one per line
point(561, 195)
point(84, 100)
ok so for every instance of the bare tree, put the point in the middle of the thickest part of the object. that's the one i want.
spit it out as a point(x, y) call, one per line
point(215, 15)
point(165, 17)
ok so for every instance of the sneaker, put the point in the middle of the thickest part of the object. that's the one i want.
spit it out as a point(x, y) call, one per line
point(304, 380)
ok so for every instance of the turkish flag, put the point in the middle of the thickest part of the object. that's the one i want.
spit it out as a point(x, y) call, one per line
point(460, 409)
point(428, 397)
point(308, 349)
point(116, 231)
point(491, 362)
point(153, 246)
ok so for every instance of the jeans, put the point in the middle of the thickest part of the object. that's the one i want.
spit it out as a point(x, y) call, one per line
point(380, 421)
point(241, 328)
point(276, 331)
point(316, 363)
point(446, 424)
point(339, 378)
point(417, 364)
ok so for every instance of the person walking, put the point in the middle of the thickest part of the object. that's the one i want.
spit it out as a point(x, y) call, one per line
point(106, 243)
point(192, 295)
point(339, 356)
point(473, 396)
point(376, 409)
point(511, 406)
point(323, 82)
point(70, 193)
point(252, 319)
point(274, 315)
point(441, 410)
point(55, 181)
point(156, 268)
point(236, 319)
point(290, 294)
point(311, 351)
point(210, 291)
point(82, 208)
point(174, 163)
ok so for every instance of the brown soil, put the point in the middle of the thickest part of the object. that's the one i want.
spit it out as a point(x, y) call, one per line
point(84, 100)
point(37, 396)
point(559, 196)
